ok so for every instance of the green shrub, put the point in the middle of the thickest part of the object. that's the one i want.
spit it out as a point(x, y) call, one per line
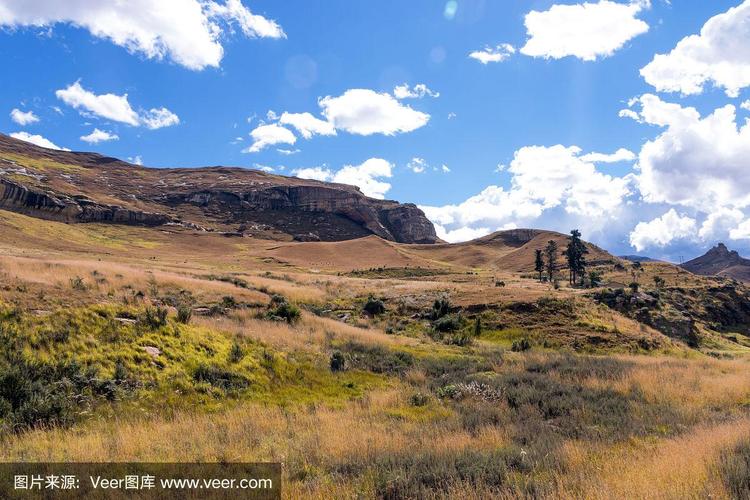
point(154, 317)
point(219, 377)
point(236, 353)
point(419, 399)
point(521, 345)
point(228, 302)
point(184, 314)
point(374, 306)
point(77, 283)
point(449, 323)
point(440, 308)
point(338, 361)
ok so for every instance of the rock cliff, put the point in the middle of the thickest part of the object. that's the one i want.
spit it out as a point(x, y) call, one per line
point(87, 187)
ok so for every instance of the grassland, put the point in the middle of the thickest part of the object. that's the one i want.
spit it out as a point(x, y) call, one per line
point(405, 376)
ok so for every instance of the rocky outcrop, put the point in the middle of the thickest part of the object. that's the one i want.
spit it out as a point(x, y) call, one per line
point(86, 187)
point(720, 261)
point(52, 206)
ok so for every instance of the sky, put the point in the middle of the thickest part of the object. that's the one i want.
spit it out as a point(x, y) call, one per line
point(625, 119)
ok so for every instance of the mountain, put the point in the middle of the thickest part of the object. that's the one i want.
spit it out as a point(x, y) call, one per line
point(76, 187)
point(720, 261)
point(638, 258)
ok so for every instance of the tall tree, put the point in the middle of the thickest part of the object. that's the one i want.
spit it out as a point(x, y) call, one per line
point(551, 251)
point(539, 263)
point(575, 254)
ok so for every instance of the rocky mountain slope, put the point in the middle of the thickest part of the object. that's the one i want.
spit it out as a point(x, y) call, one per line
point(720, 261)
point(88, 187)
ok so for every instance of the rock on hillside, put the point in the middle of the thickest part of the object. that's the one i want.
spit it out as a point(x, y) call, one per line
point(88, 187)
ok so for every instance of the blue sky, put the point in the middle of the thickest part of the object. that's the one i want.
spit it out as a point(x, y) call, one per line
point(190, 89)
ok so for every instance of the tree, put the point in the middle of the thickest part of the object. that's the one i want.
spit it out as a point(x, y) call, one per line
point(551, 252)
point(539, 263)
point(575, 254)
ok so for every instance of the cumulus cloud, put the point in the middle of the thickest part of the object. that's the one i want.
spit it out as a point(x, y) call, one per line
point(23, 118)
point(697, 162)
point(188, 32)
point(97, 136)
point(269, 135)
point(419, 91)
point(586, 31)
point(745, 105)
point(719, 55)
point(307, 125)
point(541, 178)
point(365, 176)
point(366, 112)
point(114, 107)
point(719, 223)
point(620, 155)
point(662, 231)
point(498, 53)
point(37, 139)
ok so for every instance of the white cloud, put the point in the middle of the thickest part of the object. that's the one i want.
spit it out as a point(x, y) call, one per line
point(365, 176)
point(98, 136)
point(662, 231)
point(542, 178)
point(417, 165)
point(493, 54)
point(137, 160)
point(37, 139)
point(741, 232)
point(745, 105)
point(720, 55)
point(697, 162)
point(719, 223)
point(114, 107)
point(620, 155)
point(269, 135)
point(189, 32)
point(445, 169)
point(586, 31)
point(158, 118)
point(287, 152)
point(264, 168)
point(419, 91)
point(307, 125)
point(366, 112)
point(23, 117)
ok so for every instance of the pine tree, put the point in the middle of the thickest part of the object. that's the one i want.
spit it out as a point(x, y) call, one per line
point(539, 263)
point(551, 252)
point(575, 254)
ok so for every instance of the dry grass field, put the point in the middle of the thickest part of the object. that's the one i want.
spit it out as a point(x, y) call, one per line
point(370, 369)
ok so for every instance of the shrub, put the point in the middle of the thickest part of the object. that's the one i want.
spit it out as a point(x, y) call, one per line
point(419, 399)
point(500, 284)
point(374, 306)
point(77, 283)
point(338, 361)
point(228, 302)
point(634, 286)
point(219, 377)
point(377, 359)
point(449, 323)
point(521, 345)
point(440, 308)
point(236, 353)
point(154, 317)
point(280, 308)
point(184, 314)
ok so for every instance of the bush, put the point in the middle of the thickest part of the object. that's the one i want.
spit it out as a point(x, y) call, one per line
point(521, 345)
point(440, 308)
point(154, 317)
point(374, 306)
point(184, 314)
point(377, 359)
point(77, 283)
point(228, 302)
point(219, 377)
point(236, 353)
point(280, 308)
point(634, 286)
point(419, 399)
point(449, 323)
point(338, 361)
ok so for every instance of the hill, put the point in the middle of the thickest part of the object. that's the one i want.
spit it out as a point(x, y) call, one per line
point(720, 261)
point(88, 187)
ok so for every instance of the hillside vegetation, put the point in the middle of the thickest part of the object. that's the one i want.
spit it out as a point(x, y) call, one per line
point(371, 368)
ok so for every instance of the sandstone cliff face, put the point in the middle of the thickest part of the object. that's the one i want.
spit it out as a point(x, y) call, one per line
point(85, 187)
point(63, 208)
